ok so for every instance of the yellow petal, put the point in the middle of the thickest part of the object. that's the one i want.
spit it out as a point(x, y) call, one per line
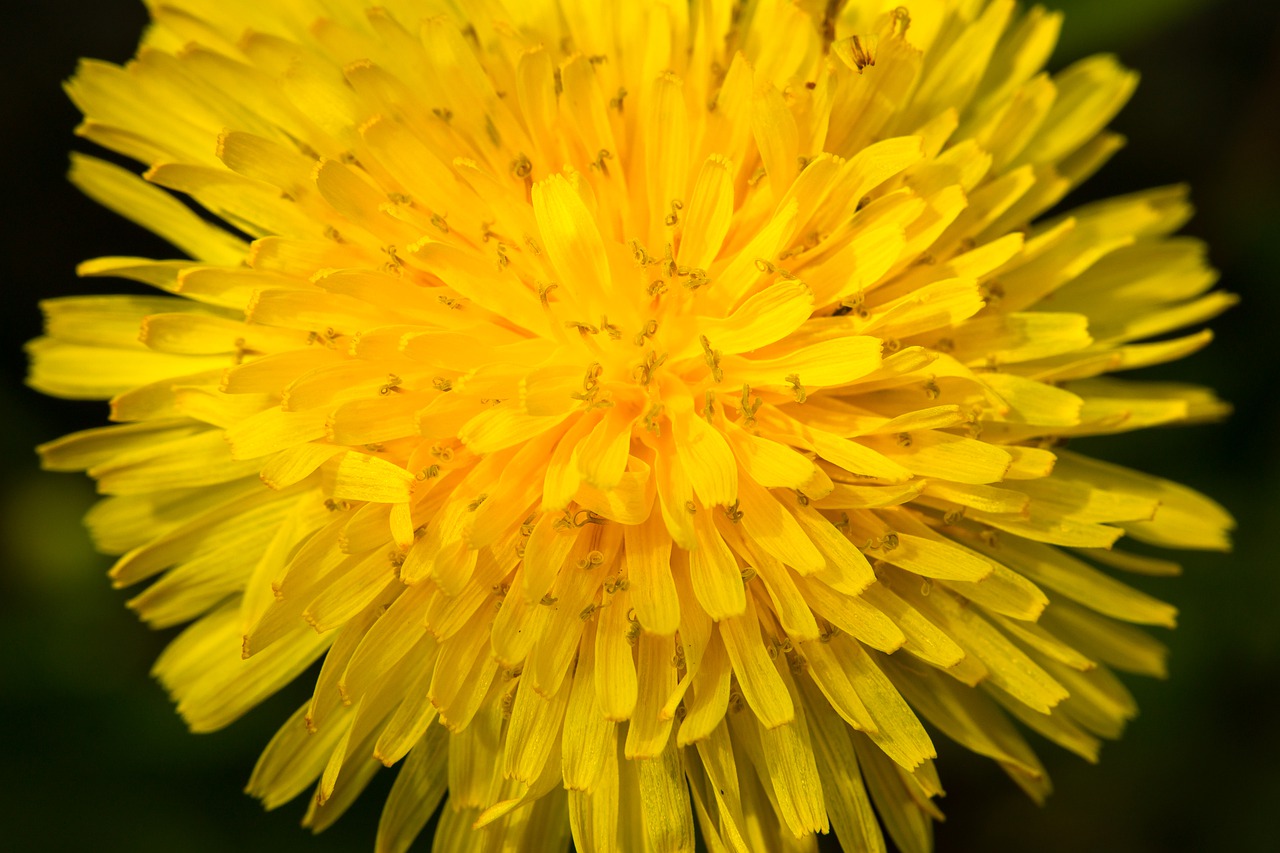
point(708, 696)
point(765, 317)
point(762, 687)
point(848, 806)
point(664, 803)
point(1114, 643)
point(706, 459)
point(831, 679)
point(830, 363)
point(573, 243)
point(789, 755)
point(792, 611)
point(774, 530)
point(588, 737)
point(1080, 582)
point(929, 453)
point(534, 728)
point(708, 214)
point(155, 210)
point(362, 477)
point(776, 136)
point(666, 153)
point(418, 789)
point(57, 368)
point(716, 579)
point(653, 592)
point(602, 456)
point(649, 731)
point(616, 686)
point(854, 615)
point(846, 569)
point(897, 730)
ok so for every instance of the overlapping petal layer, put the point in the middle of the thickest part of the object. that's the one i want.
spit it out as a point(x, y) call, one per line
point(659, 405)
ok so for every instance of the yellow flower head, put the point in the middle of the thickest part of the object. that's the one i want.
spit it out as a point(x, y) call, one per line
point(648, 410)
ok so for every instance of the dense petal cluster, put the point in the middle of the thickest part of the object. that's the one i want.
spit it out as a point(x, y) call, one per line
point(649, 411)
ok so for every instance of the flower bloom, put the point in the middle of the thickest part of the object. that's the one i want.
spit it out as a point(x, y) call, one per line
point(649, 412)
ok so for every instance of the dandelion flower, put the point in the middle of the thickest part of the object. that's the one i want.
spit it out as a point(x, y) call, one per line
point(650, 413)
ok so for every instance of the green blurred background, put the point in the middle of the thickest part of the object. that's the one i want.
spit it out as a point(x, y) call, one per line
point(92, 756)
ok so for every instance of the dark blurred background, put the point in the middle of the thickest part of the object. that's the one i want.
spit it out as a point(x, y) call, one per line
point(92, 756)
